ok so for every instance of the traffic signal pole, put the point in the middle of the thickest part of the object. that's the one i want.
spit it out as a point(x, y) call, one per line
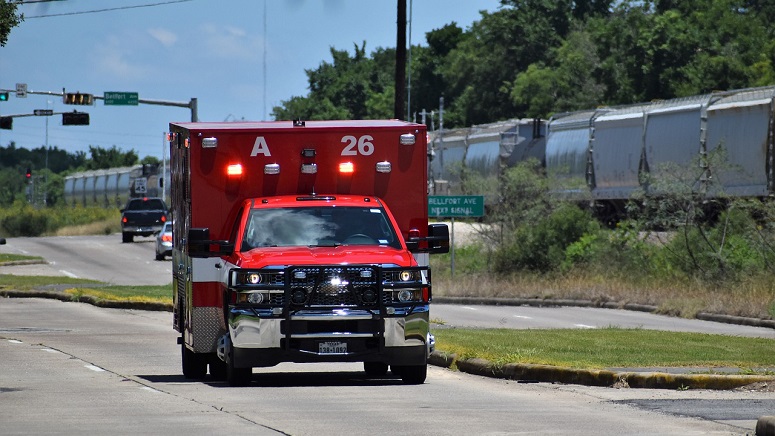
point(191, 104)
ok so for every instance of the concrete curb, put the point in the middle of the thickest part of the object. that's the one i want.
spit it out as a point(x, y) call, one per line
point(111, 304)
point(554, 374)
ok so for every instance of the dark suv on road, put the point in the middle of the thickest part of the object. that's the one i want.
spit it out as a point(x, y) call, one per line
point(143, 217)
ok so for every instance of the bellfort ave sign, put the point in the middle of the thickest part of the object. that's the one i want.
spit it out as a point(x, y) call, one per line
point(121, 98)
point(455, 206)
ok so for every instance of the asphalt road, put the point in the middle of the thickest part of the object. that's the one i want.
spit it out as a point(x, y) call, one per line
point(106, 258)
point(72, 368)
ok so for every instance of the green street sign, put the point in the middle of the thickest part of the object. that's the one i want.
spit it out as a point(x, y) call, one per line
point(121, 98)
point(455, 206)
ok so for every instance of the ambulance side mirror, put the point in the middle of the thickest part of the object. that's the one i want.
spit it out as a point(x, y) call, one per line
point(438, 238)
point(200, 244)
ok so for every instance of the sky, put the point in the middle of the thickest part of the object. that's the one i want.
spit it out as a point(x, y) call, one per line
point(237, 58)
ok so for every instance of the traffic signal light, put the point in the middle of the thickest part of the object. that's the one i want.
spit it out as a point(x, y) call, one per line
point(75, 119)
point(28, 174)
point(4, 96)
point(6, 123)
point(78, 98)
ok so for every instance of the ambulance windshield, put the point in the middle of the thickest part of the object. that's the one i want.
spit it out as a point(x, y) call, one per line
point(318, 227)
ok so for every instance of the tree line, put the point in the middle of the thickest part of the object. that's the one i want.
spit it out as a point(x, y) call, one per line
point(534, 58)
point(48, 168)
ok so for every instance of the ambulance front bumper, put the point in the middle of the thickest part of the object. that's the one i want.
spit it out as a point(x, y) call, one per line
point(264, 339)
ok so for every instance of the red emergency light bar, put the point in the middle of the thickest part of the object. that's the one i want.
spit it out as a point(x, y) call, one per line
point(234, 170)
point(346, 168)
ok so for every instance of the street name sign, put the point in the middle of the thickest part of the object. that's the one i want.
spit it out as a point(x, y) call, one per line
point(455, 206)
point(121, 98)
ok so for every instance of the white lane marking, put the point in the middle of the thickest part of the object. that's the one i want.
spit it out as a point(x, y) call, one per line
point(470, 308)
point(94, 368)
point(523, 317)
point(49, 350)
point(584, 326)
point(15, 341)
point(68, 274)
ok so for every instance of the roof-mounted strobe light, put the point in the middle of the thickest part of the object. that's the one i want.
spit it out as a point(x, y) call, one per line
point(309, 168)
point(234, 170)
point(407, 139)
point(346, 168)
point(384, 167)
point(171, 136)
point(209, 142)
point(272, 168)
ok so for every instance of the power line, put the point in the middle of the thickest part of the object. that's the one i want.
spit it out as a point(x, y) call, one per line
point(94, 11)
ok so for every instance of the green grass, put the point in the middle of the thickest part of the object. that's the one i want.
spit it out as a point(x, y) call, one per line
point(155, 294)
point(607, 348)
point(8, 257)
point(82, 287)
point(21, 283)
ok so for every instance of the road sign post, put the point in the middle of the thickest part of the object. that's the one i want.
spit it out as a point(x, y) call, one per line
point(21, 90)
point(452, 206)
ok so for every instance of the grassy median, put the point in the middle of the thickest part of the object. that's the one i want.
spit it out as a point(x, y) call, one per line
point(608, 348)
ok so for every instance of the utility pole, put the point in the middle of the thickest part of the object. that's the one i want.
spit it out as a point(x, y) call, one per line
point(400, 86)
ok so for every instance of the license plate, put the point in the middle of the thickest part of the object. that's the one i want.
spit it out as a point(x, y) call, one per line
point(332, 348)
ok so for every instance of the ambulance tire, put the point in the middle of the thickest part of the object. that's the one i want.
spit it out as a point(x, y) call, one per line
point(375, 369)
point(414, 374)
point(194, 365)
point(218, 369)
point(237, 376)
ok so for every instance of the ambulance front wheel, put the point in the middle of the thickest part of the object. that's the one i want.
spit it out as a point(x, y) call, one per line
point(194, 365)
point(237, 376)
point(413, 374)
point(375, 369)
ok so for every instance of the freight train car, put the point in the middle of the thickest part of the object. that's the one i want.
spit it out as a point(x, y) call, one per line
point(112, 187)
point(721, 143)
point(482, 151)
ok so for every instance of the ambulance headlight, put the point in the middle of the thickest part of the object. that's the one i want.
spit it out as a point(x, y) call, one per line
point(256, 298)
point(254, 278)
point(406, 295)
point(405, 276)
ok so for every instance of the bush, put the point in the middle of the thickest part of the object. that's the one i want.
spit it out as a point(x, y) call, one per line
point(542, 246)
point(22, 219)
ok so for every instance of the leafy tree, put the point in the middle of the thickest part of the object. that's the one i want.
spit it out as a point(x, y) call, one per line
point(351, 87)
point(8, 18)
point(102, 158)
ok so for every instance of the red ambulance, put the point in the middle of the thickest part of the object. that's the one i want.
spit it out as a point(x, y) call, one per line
point(302, 242)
